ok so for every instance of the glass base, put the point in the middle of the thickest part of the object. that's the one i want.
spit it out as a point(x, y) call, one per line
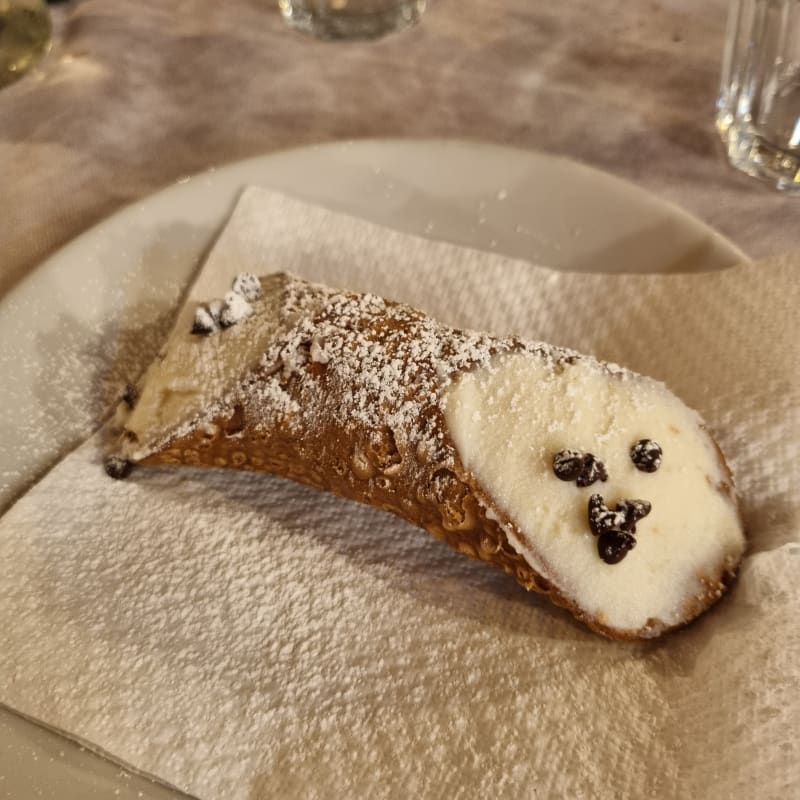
point(336, 24)
point(751, 153)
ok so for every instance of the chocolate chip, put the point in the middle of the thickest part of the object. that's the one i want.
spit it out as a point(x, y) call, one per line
point(247, 285)
point(633, 511)
point(234, 309)
point(615, 529)
point(226, 320)
point(204, 322)
point(613, 546)
point(646, 455)
point(117, 468)
point(130, 395)
point(596, 506)
point(593, 470)
point(583, 468)
point(568, 464)
point(602, 518)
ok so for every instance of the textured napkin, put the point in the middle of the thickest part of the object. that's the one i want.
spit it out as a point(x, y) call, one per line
point(244, 637)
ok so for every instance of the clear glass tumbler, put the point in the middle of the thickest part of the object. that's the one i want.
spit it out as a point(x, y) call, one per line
point(351, 19)
point(25, 30)
point(758, 109)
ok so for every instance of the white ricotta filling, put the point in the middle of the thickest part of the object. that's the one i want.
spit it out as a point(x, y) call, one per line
point(507, 422)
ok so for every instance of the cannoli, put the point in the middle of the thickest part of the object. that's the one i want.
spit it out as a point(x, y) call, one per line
point(580, 479)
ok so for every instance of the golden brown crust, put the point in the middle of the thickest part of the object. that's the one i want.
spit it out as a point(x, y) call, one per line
point(449, 504)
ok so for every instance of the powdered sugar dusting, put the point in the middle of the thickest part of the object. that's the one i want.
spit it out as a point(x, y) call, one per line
point(236, 309)
point(247, 286)
point(383, 364)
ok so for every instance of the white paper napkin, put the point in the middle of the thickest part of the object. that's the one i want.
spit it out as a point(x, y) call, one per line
point(244, 637)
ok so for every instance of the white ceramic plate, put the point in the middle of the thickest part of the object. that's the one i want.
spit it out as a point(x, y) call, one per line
point(57, 329)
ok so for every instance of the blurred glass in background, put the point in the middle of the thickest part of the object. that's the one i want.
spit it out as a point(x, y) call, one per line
point(351, 19)
point(758, 108)
point(25, 31)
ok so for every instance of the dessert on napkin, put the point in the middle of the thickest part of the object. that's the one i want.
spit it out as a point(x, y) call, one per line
point(246, 637)
point(498, 446)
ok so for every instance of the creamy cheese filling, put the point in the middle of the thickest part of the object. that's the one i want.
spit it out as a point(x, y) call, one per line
point(508, 421)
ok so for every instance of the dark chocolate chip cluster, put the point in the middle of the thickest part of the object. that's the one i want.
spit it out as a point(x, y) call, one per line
point(583, 468)
point(615, 528)
point(220, 314)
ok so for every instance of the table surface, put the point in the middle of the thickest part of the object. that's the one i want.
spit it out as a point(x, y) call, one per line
point(136, 94)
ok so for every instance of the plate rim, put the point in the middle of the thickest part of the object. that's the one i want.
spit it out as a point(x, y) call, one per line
point(183, 185)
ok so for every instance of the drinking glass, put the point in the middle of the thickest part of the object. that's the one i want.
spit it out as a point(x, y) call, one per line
point(758, 108)
point(25, 30)
point(351, 19)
